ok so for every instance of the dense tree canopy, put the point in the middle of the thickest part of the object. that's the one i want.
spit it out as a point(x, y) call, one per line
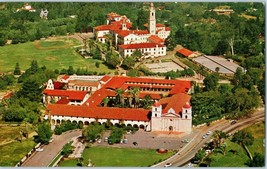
point(44, 132)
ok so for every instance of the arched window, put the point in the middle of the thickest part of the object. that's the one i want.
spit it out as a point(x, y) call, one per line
point(155, 109)
point(186, 111)
point(155, 115)
point(152, 13)
point(186, 116)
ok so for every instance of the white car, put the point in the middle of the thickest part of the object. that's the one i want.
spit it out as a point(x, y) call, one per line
point(204, 136)
point(39, 149)
point(168, 165)
point(51, 140)
point(209, 132)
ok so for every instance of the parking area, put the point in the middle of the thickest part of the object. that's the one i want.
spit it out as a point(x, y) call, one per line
point(163, 67)
point(153, 140)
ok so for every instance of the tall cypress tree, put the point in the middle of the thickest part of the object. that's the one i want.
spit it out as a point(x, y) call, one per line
point(17, 69)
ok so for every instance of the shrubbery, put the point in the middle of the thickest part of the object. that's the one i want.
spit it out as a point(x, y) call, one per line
point(65, 126)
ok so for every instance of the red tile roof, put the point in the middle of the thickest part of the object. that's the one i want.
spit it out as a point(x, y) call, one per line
point(70, 94)
point(124, 33)
point(83, 83)
point(58, 85)
point(185, 52)
point(175, 86)
point(65, 77)
point(64, 100)
point(155, 39)
point(156, 104)
point(99, 112)
point(187, 105)
point(107, 27)
point(175, 102)
point(140, 45)
point(119, 23)
point(105, 78)
point(8, 95)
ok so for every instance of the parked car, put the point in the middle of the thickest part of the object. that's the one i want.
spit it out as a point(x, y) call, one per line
point(233, 122)
point(204, 136)
point(209, 132)
point(106, 139)
point(51, 140)
point(99, 141)
point(39, 149)
point(168, 165)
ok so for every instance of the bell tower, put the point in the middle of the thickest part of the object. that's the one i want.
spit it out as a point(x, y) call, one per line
point(156, 110)
point(152, 20)
point(187, 111)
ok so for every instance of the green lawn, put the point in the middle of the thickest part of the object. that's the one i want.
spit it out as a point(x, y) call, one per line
point(9, 133)
point(124, 157)
point(12, 153)
point(53, 54)
point(240, 158)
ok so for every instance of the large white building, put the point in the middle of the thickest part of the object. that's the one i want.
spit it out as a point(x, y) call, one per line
point(168, 114)
point(120, 30)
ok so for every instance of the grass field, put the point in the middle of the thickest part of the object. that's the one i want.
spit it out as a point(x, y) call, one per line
point(9, 133)
point(115, 157)
point(12, 153)
point(239, 159)
point(55, 54)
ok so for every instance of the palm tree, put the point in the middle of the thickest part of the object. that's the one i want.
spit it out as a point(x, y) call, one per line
point(105, 101)
point(120, 96)
point(136, 91)
point(218, 138)
point(131, 96)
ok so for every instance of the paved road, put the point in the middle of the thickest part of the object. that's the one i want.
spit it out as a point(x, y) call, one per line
point(188, 152)
point(43, 159)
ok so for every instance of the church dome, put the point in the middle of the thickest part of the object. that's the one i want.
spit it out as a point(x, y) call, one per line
point(156, 104)
point(187, 105)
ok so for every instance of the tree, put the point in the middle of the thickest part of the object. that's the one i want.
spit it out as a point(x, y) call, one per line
point(97, 64)
point(141, 19)
point(17, 69)
point(71, 71)
point(113, 59)
point(67, 150)
point(120, 96)
point(44, 132)
point(92, 132)
point(243, 137)
point(129, 62)
point(34, 67)
point(258, 161)
point(31, 89)
point(147, 102)
point(210, 82)
point(116, 135)
point(105, 101)
point(169, 43)
point(199, 155)
point(218, 138)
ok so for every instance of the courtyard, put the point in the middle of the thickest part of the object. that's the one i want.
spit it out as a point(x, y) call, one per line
point(163, 67)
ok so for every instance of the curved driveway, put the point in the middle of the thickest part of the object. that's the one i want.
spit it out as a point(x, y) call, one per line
point(189, 151)
point(43, 159)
